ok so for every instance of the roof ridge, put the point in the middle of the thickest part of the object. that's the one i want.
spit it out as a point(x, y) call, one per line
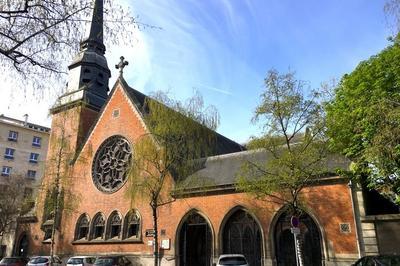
point(234, 154)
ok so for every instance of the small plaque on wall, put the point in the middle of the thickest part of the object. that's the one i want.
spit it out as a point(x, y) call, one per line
point(150, 233)
point(165, 243)
point(344, 228)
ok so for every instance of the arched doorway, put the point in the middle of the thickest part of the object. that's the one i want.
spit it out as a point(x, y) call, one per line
point(22, 247)
point(309, 240)
point(195, 241)
point(242, 235)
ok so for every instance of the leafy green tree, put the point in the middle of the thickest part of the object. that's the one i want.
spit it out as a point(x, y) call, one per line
point(179, 134)
point(364, 121)
point(293, 141)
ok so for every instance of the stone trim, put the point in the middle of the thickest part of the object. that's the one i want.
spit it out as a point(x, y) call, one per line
point(27, 219)
point(119, 86)
point(134, 109)
point(106, 242)
point(383, 217)
point(231, 188)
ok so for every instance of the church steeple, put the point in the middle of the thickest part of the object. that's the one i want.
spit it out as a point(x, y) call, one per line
point(88, 73)
point(94, 39)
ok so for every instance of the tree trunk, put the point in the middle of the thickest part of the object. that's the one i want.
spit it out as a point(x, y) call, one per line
point(1, 243)
point(155, 225)
point(55, 218)
point(57, 188)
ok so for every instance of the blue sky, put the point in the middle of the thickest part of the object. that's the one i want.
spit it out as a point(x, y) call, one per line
point(224, 48)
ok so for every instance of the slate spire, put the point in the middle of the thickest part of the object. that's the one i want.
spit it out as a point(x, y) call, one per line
point(89, 73)
point(94, 38)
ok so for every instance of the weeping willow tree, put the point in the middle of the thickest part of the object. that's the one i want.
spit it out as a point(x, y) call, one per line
point(56, 193)
point(57, 168)
point(179, 134)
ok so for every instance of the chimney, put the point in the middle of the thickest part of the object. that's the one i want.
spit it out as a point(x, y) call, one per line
point(26, 120)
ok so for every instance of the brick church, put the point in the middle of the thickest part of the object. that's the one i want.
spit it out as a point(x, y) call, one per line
point(102, 127)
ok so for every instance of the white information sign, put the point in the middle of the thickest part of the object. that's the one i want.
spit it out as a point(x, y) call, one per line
point(165, 243)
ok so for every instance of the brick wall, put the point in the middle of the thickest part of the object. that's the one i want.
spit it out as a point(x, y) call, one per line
point(328, 204)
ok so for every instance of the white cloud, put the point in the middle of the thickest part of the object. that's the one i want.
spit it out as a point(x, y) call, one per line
point(17, 101)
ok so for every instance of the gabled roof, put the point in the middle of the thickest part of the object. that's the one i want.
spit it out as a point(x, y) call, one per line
point(223, 144)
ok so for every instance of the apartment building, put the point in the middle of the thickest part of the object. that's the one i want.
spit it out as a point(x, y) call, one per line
point(23, 150)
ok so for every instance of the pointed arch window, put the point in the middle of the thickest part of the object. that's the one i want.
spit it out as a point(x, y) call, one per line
point(195, 245)
point(114, 225)
point(242, 235)
point(98, 226)
point(47, 232)
point(82, 227)
point(132, 225)
point(312, 252)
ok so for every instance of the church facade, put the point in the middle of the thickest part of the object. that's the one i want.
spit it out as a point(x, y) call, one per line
point(101, 129)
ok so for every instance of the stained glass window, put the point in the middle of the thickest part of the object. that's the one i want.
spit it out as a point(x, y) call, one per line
point(111, 163)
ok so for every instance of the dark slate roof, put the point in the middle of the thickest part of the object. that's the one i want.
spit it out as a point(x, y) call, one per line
point(223, 170)
point(224, 145)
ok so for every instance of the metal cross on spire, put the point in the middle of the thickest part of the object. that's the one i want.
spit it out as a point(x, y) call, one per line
point(121, 65)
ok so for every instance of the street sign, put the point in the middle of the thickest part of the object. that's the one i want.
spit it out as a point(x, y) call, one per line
point(295, 221)
point(165, 244)
point(295, 230)
point(150, 233)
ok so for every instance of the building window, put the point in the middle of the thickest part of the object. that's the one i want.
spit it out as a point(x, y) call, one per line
point(29, 203)
point(31, 174)
point(114, 225)
point(12, 135)
point(98, 227)
point(111, 164)
point(28, 192)
point(47, 232)
point(3, 249)
point(6, 171)
point(9, 154)
point(34, 157)
point(132, 225)
point(36, 141)
point(115, 113)
point(82, 227)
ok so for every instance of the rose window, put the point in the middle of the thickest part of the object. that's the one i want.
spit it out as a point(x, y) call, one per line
point(111, 163)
